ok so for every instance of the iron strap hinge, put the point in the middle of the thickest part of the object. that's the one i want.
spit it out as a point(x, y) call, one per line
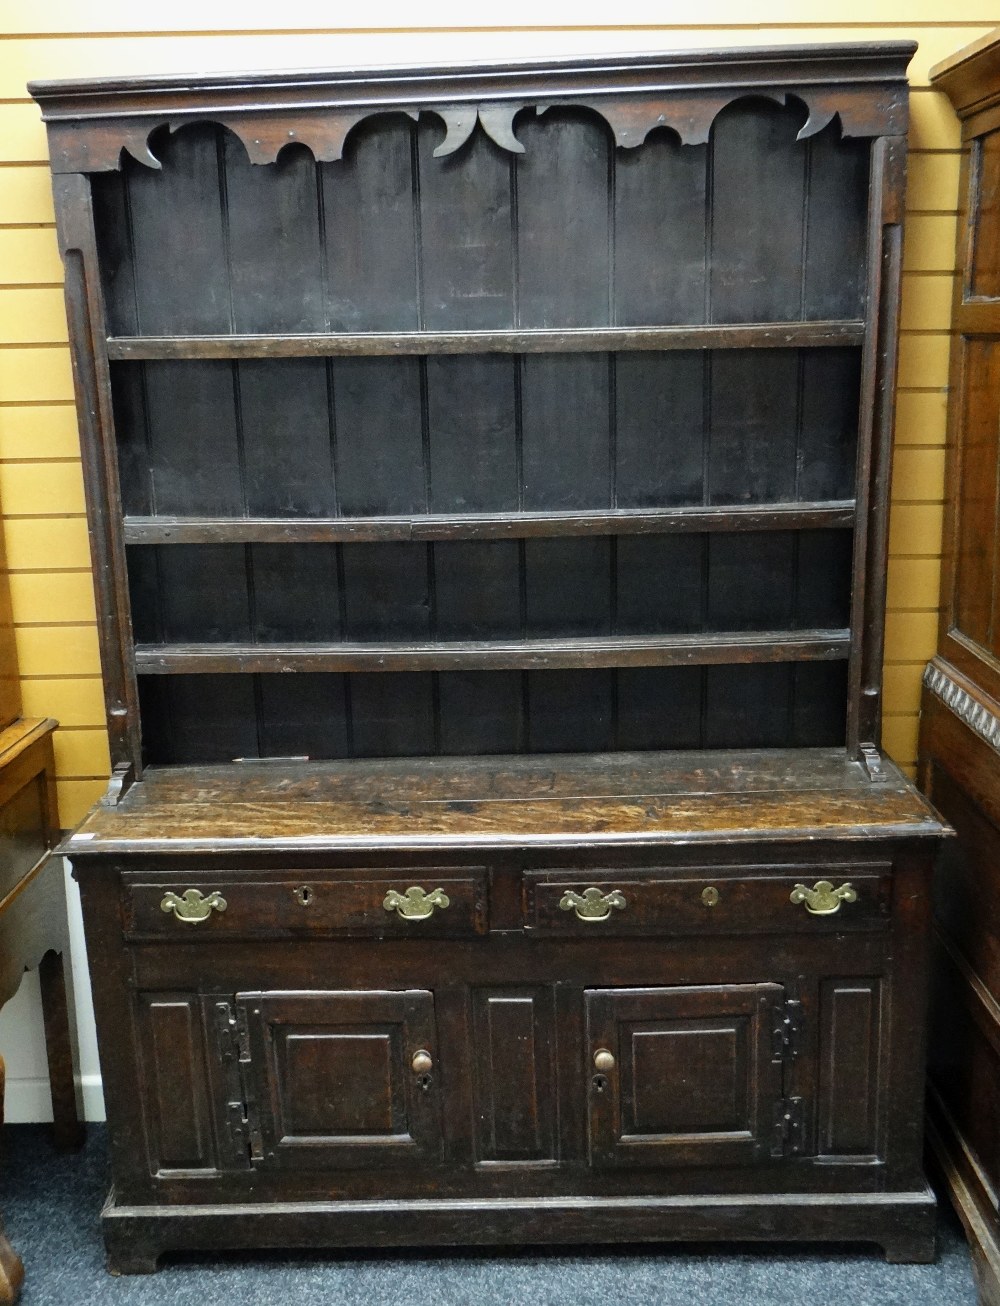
point(787, 1030)
point(788, 1127)
point(235, 1057)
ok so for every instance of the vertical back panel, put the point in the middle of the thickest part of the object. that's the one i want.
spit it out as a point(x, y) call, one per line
point(477, 589)
point(659, 583)
point(754, 426)
point(370, 229)
point(563, 227)
point(194, 439)
point(568, 586)
point(302, 716)
point(660, 232)
point(287, 437)
point(465, 233)
point(295, 592)
point(566, 431)
point(472, 421)
point(830, 382)
point(660, 408)
point(179, 235)
point(571, 711)
point(758, 186)
point(836, 226)
point(274, 240)
point(387, 591)
point(378, 413)
point(481, 712)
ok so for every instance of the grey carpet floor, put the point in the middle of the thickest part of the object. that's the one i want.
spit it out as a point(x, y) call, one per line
point(51, 1203)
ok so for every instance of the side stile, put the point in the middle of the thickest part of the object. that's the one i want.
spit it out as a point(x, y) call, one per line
point(92, 382)
point(877, 412)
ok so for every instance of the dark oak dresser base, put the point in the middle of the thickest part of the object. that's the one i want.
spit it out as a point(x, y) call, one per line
point(901, 1223)
point(610, 1014)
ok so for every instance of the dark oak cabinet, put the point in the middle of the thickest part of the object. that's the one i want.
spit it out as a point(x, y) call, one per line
point(487, 471)
point(960, 717)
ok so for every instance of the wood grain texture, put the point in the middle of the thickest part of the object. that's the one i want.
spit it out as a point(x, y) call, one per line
point(607, 797)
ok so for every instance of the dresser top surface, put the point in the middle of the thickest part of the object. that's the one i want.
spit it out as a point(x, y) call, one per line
point(619, 798)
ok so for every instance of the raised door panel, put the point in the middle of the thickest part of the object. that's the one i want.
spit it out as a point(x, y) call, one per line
point(331, 1082)
point(978, 409)
point(174, 1083)
point(515, 1082)
point(695, 1080)
point(983, 276)
point(850, 1040)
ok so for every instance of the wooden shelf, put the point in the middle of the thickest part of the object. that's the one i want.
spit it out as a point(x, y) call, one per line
point(831, 514)
point(754, 335)
point(498, 655)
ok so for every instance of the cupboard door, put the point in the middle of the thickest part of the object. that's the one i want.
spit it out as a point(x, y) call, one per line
point(335, 1080)
point(694, 1080)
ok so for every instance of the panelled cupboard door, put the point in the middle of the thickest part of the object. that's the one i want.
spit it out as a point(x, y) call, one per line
point(335, 1080)
point(694, 1079)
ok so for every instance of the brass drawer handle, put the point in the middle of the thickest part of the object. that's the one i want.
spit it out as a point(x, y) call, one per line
point(823, 899)
point(192, 906)
point(415, 904)
point(592, 904)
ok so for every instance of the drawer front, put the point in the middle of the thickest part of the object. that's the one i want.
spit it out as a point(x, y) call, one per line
point(434, 902)
point(709, 900)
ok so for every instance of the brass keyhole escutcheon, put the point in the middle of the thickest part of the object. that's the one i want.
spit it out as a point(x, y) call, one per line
point(304, 895)
point(710, 895)
point(604, 1060)
point(422, 1063)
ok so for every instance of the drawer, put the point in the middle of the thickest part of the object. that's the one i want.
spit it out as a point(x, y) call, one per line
point(706, 900)
point(440, 902)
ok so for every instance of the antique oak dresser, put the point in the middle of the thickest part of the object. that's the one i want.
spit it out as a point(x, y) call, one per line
point(960, 720)
point(487, 471)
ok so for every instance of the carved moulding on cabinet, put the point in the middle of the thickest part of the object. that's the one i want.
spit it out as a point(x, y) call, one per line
point(324, 130)
point(969, 710)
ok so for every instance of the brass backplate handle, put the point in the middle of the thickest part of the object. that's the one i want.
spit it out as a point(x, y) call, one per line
point(592, 904)
point(823, 899)
point(192, 905)
point(415, 904)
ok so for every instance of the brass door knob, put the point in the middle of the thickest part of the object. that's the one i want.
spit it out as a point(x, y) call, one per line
point(604, 1060)
point(422, 1062)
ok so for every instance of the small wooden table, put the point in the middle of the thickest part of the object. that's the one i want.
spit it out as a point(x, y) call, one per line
point(33, 927)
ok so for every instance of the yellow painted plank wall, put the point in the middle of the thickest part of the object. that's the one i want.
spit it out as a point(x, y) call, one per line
point(40, 487)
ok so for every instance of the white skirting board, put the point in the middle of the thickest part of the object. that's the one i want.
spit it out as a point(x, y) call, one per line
point(22, 1037)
